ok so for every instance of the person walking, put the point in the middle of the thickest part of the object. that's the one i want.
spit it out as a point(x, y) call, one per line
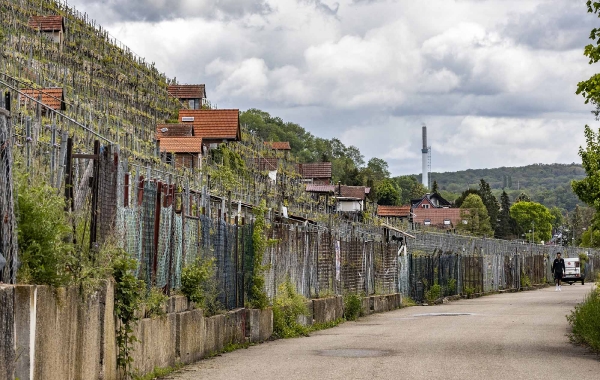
point(558, 268)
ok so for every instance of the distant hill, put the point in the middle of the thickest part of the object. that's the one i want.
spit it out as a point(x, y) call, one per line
point(546, 184)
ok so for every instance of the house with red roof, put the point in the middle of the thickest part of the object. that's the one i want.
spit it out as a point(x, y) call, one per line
point(51, 26)
point(278, 145)
point(183, 152)
point(394, 213)
point(213, 126)
point(52, 98)
point(318, 173)
point(191, 96)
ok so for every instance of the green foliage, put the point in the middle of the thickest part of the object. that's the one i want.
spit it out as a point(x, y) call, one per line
point(388, 193)
point(159, 372)
point(407, 301)
point(288, 306)
point(459, 201)
point(590, 89)
point(525, 280)
point(352, 306)
point(530, 216)
point(452, 285)
point(257, 296)
point(475, 213)
point(43, 233)
point(434, 293)
point(584, 321)
point(129, 293)
point(506, 226)
point(548, 184)
point(469, 291)
point(588, 189)
point(325, 325)
point(491, 203)
point(154, 303)
point(199, 285)
point(410, 188)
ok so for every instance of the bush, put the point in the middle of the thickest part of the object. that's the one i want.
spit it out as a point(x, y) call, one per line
point(352, 307)
point(433, 293)
point(584, 321)
point(43, 232)
point(288, 306)
point(154, 303)
point(199, 285)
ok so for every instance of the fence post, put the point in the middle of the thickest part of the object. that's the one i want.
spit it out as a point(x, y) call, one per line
point(95, 189)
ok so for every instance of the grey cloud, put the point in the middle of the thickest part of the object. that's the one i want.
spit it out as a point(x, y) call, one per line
point(160, 10)
point(554, 25)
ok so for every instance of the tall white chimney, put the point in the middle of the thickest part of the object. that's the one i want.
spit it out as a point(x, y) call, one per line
point(425, 151)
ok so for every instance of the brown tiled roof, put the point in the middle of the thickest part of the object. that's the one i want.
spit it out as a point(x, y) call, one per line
point(187, 91)
point(320, 188)
point(46, 23)
point(437, 215)
point(397, 211)
point(315, 170)
point(266, 163)
point(279, 145)
point(174, 130)
point(181, 144)
point(352, 191)
point(51, 97)
point(214, 124)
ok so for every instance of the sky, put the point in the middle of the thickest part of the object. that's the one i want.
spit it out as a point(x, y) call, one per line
point(493, 80)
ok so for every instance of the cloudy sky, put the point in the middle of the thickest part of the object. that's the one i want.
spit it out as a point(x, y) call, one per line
point(493, 80)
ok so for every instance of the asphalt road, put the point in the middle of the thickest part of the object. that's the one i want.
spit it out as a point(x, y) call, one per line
point(505, 336)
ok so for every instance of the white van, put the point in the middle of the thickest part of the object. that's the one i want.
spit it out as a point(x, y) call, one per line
point(573, 271)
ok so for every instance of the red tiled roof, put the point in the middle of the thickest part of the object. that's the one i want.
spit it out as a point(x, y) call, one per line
point(52, 98)
point(320, 188)
point(266, 163)
point(174, 130)
point(315, 170)
point(353, 191)
point(214, 124)
point(397, 211)
point(46, 23)
point(187, 91)
point(437, 215)
point(181, 144)
point(279, 145)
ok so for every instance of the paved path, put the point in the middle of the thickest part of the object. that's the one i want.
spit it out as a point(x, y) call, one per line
point(506, 336)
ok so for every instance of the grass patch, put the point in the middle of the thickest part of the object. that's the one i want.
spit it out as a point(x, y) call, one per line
point(159, 372)
point(352, 306)
point(584, 321)
point(407, 301)
point(326, 325)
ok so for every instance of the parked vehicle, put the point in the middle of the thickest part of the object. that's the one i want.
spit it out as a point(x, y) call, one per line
point(573, 271)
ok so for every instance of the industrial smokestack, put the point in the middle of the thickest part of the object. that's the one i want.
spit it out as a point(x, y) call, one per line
point(425, 151)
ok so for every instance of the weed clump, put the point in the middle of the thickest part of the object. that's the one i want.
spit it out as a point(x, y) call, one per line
point(584, 320)
point(352, 307)
point(288, 306)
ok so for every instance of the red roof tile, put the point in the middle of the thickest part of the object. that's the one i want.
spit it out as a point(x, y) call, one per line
point(174, 130)
point(315, 170)
point(214, 124)
point(46, 23)
point(52, 98)
point(187, 91)
point(437, 216)
point(395, 211)
point(181, 144)
point(320, 188)
point(352, 191)
point(279, 145)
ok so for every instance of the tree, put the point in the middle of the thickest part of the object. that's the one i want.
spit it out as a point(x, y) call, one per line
point(590, 89)
point(506, 226)
point(490, 202)
point(534, 217)
point(558, 217)
point(410, 188)
point(434, 187)
point(522, 198)
point(473, 211)
point(459, 201)
point(388, 193)
point(588, 189)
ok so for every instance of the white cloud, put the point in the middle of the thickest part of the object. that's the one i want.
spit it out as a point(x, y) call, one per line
point(494, 80)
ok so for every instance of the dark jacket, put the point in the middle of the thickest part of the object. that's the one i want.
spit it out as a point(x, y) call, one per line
point(558, 266)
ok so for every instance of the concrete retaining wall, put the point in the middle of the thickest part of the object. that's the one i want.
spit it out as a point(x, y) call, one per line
point(7, 326)
point(259, 324)
point(328, 309)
